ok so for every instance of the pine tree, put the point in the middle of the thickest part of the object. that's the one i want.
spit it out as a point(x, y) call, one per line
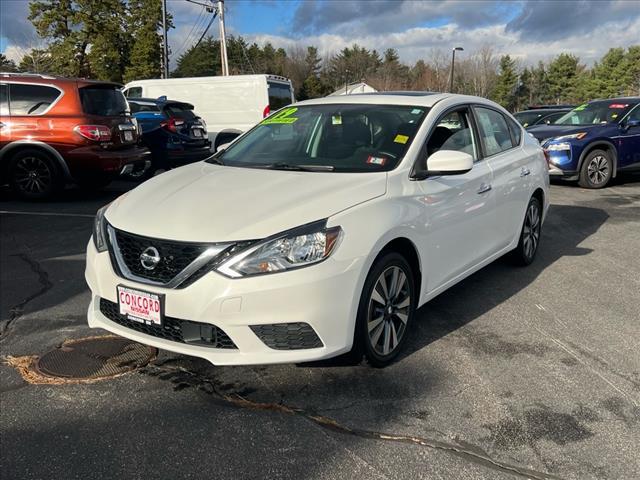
point(7, 65)
point(200, 61)
point(505, 90)
point(563, 76)
point(144, 22)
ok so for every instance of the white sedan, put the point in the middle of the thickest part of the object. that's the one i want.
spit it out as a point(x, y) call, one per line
point(319, 231)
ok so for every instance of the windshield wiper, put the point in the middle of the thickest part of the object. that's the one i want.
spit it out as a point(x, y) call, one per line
point(299, 168)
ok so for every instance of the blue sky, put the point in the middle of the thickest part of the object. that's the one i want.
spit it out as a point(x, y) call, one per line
point(529, 30)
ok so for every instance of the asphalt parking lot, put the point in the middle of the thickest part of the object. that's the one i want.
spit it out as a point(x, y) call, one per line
point(513, 373)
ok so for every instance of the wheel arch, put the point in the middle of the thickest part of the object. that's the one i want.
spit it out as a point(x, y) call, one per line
point(14, 147)
point(408, 250)
point(603, 145)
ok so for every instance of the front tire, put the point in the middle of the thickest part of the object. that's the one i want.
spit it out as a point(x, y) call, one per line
point(525, 252)
point(386, 310)
point(596, 170)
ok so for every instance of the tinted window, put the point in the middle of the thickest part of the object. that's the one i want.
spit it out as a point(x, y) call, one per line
point(453, 132)
point(143, 107)
point(180, 110)
point(553, 117)
point(493, 130)
point(103, 101)
point(279, 95)
point(32, 99)
point(347, 138)
point(596, 112)
point(133, 92)
point(635, 115)
point(528, 118)
point(516, 132)
point(4, 99)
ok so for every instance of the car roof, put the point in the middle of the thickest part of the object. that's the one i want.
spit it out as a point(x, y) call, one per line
point(424, 99)
point(158, 102)
point(53, 79)
point(546, 110)
point(616, 99)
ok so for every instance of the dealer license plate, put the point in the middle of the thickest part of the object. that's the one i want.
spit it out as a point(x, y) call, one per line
point(143, 307)
point(128, 136)
point(197, 133)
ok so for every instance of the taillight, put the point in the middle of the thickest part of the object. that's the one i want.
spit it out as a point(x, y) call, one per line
point(547, 158)
point(97, 133)
point(266, 111)
point(172, 124)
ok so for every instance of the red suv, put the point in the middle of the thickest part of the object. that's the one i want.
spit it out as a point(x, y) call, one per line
point(59, 130)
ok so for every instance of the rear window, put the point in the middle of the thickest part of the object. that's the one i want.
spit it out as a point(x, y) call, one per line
point(133, 92)
point(32, 99)
point(104, 101)
point(180, 111)
point(279, 95)
point(143, 107)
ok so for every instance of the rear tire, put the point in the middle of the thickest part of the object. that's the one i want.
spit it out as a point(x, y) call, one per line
point(386, 310)
point(529, 241)
point(33, 175)
point(596, 170)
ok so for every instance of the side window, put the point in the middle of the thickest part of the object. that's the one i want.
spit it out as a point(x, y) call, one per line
point(453, 132)
point(516, 132)
point(493, 131)
point(32, 99)
point(133, 92)
point(635, 114)
point(4, 99)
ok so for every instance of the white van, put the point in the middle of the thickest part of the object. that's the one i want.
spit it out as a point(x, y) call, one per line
point(230, 105)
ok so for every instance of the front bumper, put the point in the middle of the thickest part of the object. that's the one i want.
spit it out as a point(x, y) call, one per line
point(325, 296)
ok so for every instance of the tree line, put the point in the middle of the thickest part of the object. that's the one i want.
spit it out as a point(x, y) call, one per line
point(119, 40)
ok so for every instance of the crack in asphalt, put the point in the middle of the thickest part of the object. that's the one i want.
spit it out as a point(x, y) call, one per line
point(16, 311)
point(184, 378)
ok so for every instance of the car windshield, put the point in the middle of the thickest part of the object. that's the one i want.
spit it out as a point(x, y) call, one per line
point(103, 100)
point(527, 118)
point(595, 113)
point(334, 137)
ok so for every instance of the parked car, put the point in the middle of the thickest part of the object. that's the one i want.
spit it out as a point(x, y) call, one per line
point(593, 142)
point(57, 130)
point(230, 105)
point(319, 231)
point(540, 116)
point(172, 131)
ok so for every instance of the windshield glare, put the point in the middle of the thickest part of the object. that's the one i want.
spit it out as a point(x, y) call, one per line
point(595, 113)
point(346, 138)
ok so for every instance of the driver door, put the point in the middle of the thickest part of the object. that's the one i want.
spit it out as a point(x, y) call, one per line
point(460, 209)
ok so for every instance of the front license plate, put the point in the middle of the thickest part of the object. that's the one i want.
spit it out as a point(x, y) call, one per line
point(128, 136)
point(143, 307)
point(197, 132)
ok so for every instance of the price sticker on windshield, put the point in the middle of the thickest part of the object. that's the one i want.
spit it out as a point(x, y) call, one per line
point(401, 139)
point(282, 118)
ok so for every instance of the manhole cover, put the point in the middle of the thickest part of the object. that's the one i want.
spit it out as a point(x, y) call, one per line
point(97, 357)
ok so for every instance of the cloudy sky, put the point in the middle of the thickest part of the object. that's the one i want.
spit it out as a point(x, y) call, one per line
point(530, 30)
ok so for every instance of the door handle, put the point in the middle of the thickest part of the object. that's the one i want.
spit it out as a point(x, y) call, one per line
point(484, 187)
point(524, 172)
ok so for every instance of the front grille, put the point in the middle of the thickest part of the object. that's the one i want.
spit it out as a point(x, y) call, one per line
point(174, 256)
point(173, 329)
point(288, 336)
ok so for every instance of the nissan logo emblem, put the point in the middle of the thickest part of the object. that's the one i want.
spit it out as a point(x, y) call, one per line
point(150, 258)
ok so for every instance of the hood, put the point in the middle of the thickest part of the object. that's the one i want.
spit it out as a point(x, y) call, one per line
point(210, 203)
point(542, 132)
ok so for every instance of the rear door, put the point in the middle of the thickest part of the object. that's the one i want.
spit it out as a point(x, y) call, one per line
point(104, 104)
point(511, 168)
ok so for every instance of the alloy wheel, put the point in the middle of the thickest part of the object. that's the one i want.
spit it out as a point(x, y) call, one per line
point(531, 230)
point(32, 175)
point(598, 169)
point(389, 308)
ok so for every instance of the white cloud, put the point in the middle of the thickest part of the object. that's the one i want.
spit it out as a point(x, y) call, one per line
point(15, 53)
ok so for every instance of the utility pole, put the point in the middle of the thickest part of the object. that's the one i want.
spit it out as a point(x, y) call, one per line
point(453, 61)
point(165, 43)
point(223, 39)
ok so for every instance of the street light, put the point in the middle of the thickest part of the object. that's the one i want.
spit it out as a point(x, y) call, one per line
point(453, 61)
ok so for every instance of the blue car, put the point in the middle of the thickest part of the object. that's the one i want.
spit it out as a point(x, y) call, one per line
point(593, 142)
point(172, 131)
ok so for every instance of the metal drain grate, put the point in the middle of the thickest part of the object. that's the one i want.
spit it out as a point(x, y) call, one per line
point(95, 357)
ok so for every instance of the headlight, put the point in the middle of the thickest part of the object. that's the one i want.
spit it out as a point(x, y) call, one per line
point(579, 136)
point(296, 248)
point(100, 230)
point(557, 147)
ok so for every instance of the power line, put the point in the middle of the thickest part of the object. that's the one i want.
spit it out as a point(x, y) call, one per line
point(188, 37)
point(215, 14)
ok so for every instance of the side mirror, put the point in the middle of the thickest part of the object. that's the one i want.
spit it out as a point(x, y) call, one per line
point(631, 123)
point(449, 162)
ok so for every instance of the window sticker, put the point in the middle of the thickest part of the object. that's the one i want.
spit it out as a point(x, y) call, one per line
point(581, 107)
point(281, 118)
point(618, 105)
point(336, 119)
point(416, 111)
point(614, 115)
point(401, 139)
point(371, 160)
